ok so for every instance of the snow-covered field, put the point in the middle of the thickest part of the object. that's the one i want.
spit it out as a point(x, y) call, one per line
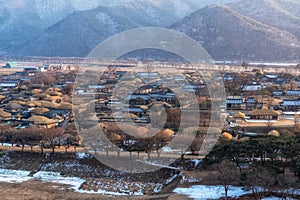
point(203, 192)
point(14, 176)
point(275, 198)
point(19, 176)
point(197, 192)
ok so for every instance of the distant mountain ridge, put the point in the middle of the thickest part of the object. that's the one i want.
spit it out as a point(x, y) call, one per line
point(228, 35)
point(112, 19)
point(24, 19)
point(258, 30)
point(270, 12)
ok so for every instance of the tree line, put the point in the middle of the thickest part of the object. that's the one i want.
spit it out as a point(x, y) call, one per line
point(41, 137)
point(263, 164)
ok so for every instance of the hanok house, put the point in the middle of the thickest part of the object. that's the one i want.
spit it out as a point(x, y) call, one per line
point(134, 110)
point(277, 93)
point(8, 85)
point(42, 121)
point(138, 99)
point(251, 88)
point(234, 104)
point(239, 117)
point(13, 108)
point(251, 103)
point(293, 92)
point(2, 98)
point(291, 105)
point(264, 114)
point(5, 116)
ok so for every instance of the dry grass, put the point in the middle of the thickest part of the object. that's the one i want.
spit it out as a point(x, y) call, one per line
point(44, 191)
point(36, 190)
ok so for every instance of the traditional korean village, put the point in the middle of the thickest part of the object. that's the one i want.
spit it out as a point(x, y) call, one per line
point(150, 99)
point(260, 127)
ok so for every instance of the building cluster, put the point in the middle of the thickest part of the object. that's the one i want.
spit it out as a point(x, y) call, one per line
point(42, 97)
point(32, 97)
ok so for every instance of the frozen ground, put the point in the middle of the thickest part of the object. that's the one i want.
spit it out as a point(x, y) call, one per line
point(203, 192)
point(275, 198)
point(14, 176)
point(19, 176)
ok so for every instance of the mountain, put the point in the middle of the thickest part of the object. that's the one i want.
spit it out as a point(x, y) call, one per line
point(167, 12)
point(18, 23)
point(23, 20)
point(81, 31)
point(266, 30)
point(228, 35)
point(277, 13)
point(293, 6)
point(26, 21)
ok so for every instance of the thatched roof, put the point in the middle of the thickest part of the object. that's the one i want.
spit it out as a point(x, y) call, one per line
point(41, 96)
point(40, 111)
point(128, 115)
point(30, 104)
point(244, 139)
point(13, 106)
point(129, 129)
point(142, 130)
point(164, 104)
point(24, 87)
point(53, 93)
point(102, 125)
point(4, 114)
point(65, 106)
point(117, 137)
point(132, 116)
point(2, 97)
point(135, 131)
point(137, 80)
point(37, 91)
point(41, 120)
point(55, 89)
point(227, 135)
point(53, 98)
point(264, 112)
point(167, 133)
point(78, 101)
point(42, 103)
point(18, 102)
point(144, 107)
point(47, 104)
point(274, 133)
point(239, 115)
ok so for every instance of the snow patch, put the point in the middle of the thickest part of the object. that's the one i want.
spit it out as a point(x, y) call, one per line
point(203, 192)
point(14, 176)
point(81, 155)
point(55, 177)
point(190, 179)
point(196, 162)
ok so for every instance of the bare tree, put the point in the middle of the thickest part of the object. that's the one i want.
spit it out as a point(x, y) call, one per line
point(4, 131)
point(287, 185)
point(259, 180)
point(51, 137)
point(161, 139)
point(227, 173)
